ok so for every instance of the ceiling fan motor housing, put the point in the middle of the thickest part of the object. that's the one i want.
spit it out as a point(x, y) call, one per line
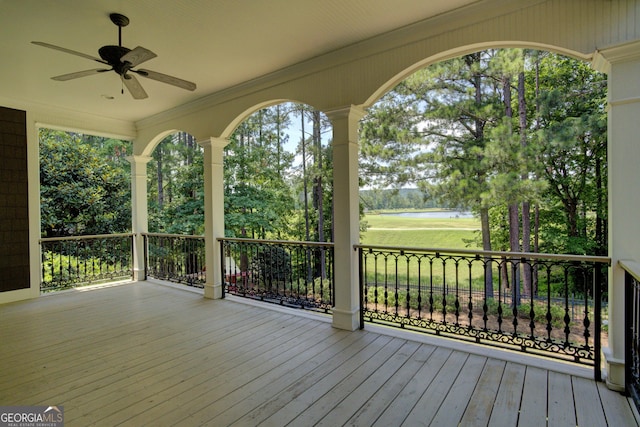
point(112, 55)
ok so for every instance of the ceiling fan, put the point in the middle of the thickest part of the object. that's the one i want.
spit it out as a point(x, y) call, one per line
point(121, 60)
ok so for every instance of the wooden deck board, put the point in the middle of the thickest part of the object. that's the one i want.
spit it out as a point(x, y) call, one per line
point(562, 411)
point(533, 406)
point(238, 403)
point(269, 404)
point(396, 412)
point(330, 402)
point(507, 402)
point(453, 407)
point(139, 363)
point(481, 401)
point(375, 380)
point(589, 410)
point(195, 405)
point(197, 381)
point(146, 354)
point(135, 373)
point(306, 394)
point(616, 410)
point(368, 413)
point(438, 389)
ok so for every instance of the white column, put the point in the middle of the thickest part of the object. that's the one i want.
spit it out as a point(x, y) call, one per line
point(346, 220)
point(213, 213)
point(622, 64)
point(139, 213)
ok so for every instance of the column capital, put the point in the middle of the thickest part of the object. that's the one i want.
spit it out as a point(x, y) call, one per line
point(214, 142)
point(604, 58)
point(350, 112)
point(138, 159)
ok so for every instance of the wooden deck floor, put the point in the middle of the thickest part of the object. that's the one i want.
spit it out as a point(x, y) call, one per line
point(145, 354)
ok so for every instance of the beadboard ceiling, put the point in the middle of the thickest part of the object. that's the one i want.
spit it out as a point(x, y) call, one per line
point(215, 43)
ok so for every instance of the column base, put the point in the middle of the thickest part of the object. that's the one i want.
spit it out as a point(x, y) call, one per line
point(212, 291)
point(347, 320)
point(615, 379)
point(139, 275)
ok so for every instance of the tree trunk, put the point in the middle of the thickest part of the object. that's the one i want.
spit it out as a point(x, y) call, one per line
point(305, 195)
point(484, 211)
point(304, 177)
point(526, 216)
point(279, 141)
point(159, 177)
point(514, 243)
point(486, 246)
point(536, 245)
point(514, 219)
point(601, 239)
point(536, 221)
point(317, 139)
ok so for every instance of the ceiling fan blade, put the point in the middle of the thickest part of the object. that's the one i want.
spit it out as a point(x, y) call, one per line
point(166, 79)
point(134, 87)
point(72, 52)
point(78, 74)
point(138, 56)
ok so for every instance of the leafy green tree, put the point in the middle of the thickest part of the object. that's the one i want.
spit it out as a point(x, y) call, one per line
point(462, 103)
point(312, 177)
point(572, 140)
point(258, 200)
point(82, 189)
point(495, 132)
point(175, 186)
point(392, 151)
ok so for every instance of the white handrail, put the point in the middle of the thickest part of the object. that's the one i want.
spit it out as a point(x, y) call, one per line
point(631, 267)
point(87, 237)
point(278, 242)
point(180, 236)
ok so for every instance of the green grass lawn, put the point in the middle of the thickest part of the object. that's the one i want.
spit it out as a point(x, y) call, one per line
point(389, 230)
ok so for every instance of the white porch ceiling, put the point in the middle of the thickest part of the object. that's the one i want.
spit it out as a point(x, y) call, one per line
point(215, 43)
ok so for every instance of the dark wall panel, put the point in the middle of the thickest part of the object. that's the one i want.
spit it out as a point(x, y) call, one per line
point(14, 213)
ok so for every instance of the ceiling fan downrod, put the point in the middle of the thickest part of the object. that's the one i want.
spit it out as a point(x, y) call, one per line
point(120, 21)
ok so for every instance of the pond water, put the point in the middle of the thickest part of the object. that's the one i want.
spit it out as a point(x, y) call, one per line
point(432, 214)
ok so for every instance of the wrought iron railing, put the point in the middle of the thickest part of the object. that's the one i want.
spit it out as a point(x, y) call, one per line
point(69, 262)
point(522, 302)
point(296, 274)
point(175, 257)
point(632, 328)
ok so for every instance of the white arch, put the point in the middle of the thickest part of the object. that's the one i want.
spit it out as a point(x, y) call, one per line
point(465, 50)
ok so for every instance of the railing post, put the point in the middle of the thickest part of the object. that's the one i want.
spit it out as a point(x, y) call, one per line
point(632, 330)
point(145, 244)
point(597, 317)
point(628, 332)
point(222, 266)
point(361, 286)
